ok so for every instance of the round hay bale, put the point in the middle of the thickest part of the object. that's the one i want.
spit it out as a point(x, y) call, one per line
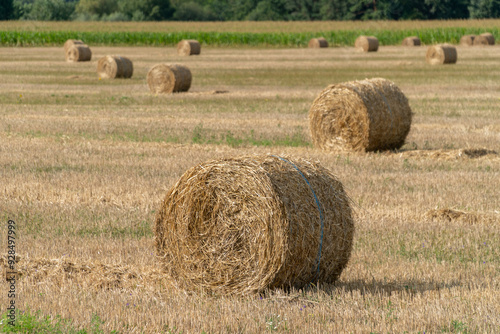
point(243, 225)
point(411, 41)
point(366, 43)
point(70, 42)
point(367, 115)
point(441, 54)
point(78, 52)
point(188, 47)
point(319, 42)
point(169, 78)
point(489, 37)
point(467, 40)
point(480, 40)
point(111, 67)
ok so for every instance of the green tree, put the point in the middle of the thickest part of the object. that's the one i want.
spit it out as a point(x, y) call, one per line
point(146, 10)
point(97, 7)
point(6, 9)
point(482, 9)
point(50, 10)
point(447, 9)
point(192, 11)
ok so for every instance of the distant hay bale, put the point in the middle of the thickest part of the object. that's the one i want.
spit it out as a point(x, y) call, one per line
point(467, 40)
point(319, 42)
point(111, 67)
point(169, 78)
point(411, 41)
point(489, 37)
point(78, 52)
point(367, 115)
point(243, 225)
point(366, 43)
point(70, 42)
point(480, 40)
point(441, 54)
point(188, 47)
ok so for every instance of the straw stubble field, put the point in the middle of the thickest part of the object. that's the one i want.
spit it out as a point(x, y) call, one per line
point(86, 162)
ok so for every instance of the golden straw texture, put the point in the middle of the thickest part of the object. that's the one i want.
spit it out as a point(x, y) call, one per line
point(489, 37)
point(78, 53)
point(441, 54)
point(111, 67)
point(188, 47)
point(243, 225)
point(467, 40)
point(70, 42)
point(169, 78)
point(411, 41)
point(318, 43)
point(480, 40)
point(367, 115)
point(366, 43)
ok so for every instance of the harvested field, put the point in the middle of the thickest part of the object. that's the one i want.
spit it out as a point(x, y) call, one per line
point(85, 164)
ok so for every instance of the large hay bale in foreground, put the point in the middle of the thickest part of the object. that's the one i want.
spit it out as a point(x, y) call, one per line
point(242, 225)
point(111, 67)
point(467, 40)
point(169, 78)
point(78, 52)
point(489, 37)
point(411, 41)
point(188, 47)
point(441, 54)
point(70, 42)
point(367, 115)
point(319, 42)
point(366, 43)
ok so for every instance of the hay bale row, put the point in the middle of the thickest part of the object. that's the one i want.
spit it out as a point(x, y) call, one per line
point(188, 47)
point(366, 43)
point(441, 54)
point(483, 39)
point(111, 67)
point(169, 78)
point(242, 225)
point(411, 41)
point(319, 42)
point(367, 115)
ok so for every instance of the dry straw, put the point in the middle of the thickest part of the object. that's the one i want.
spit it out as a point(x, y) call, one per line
point(78, 52)
point(367, 115)
point(188, 47)
point(112, 67)
point(70, 42)
point(169, 78)
point(366, 43)
point(489, 37)
point(319, 42)
point(243, 225)
point(441, 54)
point(411, 41)
point(480, 40)
point(467, 40)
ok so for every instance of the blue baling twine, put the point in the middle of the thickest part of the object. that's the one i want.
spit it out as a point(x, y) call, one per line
point(319, 209)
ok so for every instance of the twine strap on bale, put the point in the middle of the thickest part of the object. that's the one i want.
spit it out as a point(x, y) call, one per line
point(318, 204)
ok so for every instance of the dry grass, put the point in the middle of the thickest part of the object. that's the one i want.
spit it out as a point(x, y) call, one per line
point(85, 163)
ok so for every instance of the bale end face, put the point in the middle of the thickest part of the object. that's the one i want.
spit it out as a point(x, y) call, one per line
point(188, 47)
point(366, 43)
point(243, 225)
point(112, 67)
point(441, 54)
point(467, 40)
point(411, 41)
point(77, 53)
point(316, 43)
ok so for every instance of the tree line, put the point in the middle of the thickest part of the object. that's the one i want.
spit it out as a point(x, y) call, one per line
point(253, 10)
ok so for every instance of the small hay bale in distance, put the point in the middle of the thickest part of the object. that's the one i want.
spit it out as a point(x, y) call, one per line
point(467, 40)
point(489, 37)
point(441, 54)
point(169, 78)
point(319, 42)
point(366, 43)
point(70, 42)
point(366, 115)
point(78, 52)
point(411, 41)
point(113, 67)
point(188, 47)
point(247, 224)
